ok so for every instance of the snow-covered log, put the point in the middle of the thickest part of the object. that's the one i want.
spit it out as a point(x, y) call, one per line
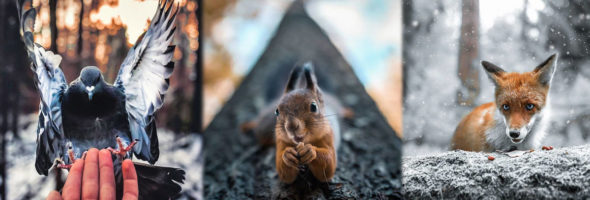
point(561, 173)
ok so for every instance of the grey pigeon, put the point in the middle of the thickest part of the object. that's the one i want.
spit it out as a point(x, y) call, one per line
point(90, 113)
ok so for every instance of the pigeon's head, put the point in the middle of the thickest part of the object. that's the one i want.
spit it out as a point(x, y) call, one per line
point(91, 78)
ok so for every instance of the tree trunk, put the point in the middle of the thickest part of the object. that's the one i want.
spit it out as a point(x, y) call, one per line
point(197, 115)
point(408, 37)
point(80, 31)
point(2, 108)
point(469, 53)
point(53, 24)
point(12, 52)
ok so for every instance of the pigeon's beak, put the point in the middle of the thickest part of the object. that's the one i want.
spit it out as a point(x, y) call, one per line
point(90, 91)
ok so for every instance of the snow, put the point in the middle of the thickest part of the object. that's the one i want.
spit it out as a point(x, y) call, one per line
point(431, 112)
point(25, 183)
point(540, 174)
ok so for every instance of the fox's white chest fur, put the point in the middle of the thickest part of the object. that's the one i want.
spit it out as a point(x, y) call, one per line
point(497, 138)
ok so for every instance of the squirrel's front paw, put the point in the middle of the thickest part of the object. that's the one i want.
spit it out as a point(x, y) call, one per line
point(290, 157)
point(306, 153)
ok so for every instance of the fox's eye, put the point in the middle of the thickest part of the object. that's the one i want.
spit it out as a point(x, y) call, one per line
point(277, 112)
point(530, 106)
point(505, 107)
point(314, 107)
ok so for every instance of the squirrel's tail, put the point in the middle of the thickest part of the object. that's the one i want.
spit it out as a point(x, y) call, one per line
point(263, 127)
point(157, 182)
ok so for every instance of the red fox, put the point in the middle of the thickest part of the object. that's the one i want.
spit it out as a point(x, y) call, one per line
point(517, 118)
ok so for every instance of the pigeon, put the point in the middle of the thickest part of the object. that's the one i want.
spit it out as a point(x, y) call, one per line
point(91, 113)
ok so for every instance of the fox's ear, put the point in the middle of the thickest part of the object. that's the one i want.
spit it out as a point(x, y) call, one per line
point(493, 71)
point(293, 79)
point(546, 70)
point(310, 79)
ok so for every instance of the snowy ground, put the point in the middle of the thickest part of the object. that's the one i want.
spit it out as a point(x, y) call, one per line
point(431, 112)
point(562, 173)
point(25, 183)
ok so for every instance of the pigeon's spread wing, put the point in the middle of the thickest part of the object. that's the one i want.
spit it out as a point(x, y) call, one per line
point(51, 83)
point(144, 78)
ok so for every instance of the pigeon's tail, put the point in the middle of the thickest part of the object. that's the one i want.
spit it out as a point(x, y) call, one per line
point(157, 182)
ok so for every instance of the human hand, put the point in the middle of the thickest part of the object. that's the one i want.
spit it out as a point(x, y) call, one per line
point(93, 177)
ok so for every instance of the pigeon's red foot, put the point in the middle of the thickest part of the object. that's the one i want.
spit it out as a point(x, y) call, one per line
point(63, 165)
point(122, 151)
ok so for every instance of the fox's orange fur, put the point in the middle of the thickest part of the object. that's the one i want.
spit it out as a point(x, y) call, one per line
point(470, 134)
point(514, 119)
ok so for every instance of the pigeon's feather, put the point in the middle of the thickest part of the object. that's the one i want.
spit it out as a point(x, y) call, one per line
point(51, 83)
point(144, 78)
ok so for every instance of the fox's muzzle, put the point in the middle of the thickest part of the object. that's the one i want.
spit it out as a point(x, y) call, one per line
point(518, 131)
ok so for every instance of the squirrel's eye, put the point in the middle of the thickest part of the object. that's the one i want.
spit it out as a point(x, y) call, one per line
point(505, 107)
point(530, 106)
point(277, 112)
point(314, 107)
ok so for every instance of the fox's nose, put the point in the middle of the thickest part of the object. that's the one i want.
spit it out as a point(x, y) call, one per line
point(514, 134)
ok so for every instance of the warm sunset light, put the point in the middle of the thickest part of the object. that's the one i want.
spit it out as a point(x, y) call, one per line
point(133, 15)
point(103, 22)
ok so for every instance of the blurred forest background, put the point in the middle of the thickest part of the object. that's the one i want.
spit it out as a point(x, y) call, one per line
point(367, 33)
point(100, 32)
point(355, 47)
point(444, 42)
point(89, 33)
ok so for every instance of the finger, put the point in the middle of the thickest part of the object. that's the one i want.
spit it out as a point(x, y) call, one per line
point(307, 158)
point(90, 184)
point(299, 146)
point(303, 151)
point(107, 175)
point(291, 151)
point(54, 195)
point(71, 189)
point(290, 160)
point(290, 163)
point(130, 191)
point(290, 156)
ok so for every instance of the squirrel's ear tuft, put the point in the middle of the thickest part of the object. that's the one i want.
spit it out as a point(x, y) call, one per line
point(310, 79)
point(293, 78)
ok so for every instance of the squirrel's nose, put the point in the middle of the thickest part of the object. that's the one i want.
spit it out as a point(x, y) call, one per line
point(293, 127)
point(298, 138)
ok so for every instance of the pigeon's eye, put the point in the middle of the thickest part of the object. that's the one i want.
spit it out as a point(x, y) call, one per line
point(314, 107)
point(529, 106)
point(277, 112)
point(506, 107)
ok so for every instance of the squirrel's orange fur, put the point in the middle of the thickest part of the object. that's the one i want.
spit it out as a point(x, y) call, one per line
point(303, 135)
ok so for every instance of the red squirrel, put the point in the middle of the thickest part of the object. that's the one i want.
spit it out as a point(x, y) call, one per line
point(303, 134)
point(304, 127)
